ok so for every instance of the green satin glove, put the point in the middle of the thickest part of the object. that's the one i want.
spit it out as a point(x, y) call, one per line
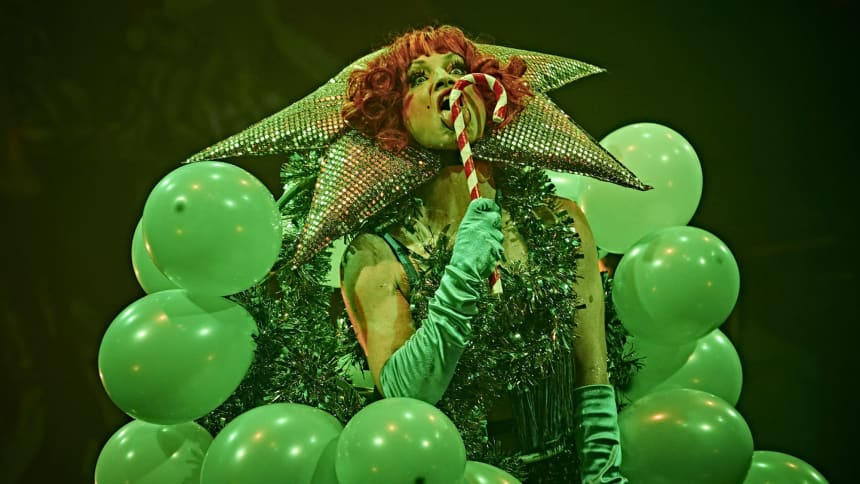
point(598, 441)
point(478, 245)
point(423, 367)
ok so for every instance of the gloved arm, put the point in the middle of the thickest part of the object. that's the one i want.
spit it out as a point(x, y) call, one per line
point(423, 366)
point(598, 441)
point(596, 417)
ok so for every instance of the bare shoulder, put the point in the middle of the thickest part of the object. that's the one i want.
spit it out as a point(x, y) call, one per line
point(366, 249)
point(588, 265)
point(580, 222)
point(572, 209)
point(369, 266)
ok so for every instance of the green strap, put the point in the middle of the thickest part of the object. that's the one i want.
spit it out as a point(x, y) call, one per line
point(402, 255)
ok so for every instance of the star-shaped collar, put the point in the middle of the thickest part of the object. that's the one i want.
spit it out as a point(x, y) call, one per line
point(358, 177)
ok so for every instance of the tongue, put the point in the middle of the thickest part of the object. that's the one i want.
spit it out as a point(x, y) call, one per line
point(447, 119)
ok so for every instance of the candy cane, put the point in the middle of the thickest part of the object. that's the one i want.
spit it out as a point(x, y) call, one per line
point(456, 102)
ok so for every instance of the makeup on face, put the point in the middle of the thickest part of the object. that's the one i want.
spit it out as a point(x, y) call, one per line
point(426, 107)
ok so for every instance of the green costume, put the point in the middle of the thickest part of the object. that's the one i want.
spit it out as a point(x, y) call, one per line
point(423, 367)
point(357, 186)
point(553, 420)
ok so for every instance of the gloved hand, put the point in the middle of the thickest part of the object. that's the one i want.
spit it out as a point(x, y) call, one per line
point(423, 367)
point(478, 245)
point(598, 441)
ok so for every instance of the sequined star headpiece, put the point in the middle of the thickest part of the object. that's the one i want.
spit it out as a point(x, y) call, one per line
point(358, 177)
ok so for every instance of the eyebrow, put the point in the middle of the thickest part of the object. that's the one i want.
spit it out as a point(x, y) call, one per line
point(448, 57)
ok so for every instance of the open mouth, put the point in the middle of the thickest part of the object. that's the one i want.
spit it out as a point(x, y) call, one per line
point(443, 106)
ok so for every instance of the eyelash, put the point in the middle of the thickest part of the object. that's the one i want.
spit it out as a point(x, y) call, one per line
point(455, 66)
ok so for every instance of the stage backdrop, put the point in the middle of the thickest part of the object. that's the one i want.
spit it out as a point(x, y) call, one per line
point(99, 100)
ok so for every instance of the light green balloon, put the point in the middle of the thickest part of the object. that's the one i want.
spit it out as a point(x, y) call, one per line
point(711, 365)
point(337, 249)
point(684, 436)
point(777, 468)
point(481, 473)
point(601, 253)
point(275, 443)
point(325, 471)
point(145, 453)
point(400, 440)
point(148, 276)
point(212, 228)
point(659, 362)
point(173, 357)
point(660, 157)
point(567, 185)
point(676, 285)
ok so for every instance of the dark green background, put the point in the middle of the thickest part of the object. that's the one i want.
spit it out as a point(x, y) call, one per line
point(99, 100)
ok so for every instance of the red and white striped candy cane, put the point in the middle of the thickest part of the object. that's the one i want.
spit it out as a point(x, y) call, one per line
point(456, 102)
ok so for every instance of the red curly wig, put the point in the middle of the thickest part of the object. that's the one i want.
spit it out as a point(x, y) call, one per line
point(375, 95)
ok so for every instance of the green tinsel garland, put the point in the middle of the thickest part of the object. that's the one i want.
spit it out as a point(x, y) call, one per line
point(300, 345)
point(518, 341)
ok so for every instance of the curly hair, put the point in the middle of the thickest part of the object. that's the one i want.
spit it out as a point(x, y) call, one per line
point(375, 94)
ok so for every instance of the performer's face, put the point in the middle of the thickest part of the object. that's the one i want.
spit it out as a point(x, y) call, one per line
point(426, 112)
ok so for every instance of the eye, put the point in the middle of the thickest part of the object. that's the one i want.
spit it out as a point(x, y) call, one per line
point(458, 70)
point(417, 78)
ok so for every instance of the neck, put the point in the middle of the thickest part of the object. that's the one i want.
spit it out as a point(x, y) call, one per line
point(446, 196)
point(445, 199)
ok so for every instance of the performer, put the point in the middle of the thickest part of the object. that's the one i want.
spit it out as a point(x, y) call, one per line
point(523, 375)
point(402, 97)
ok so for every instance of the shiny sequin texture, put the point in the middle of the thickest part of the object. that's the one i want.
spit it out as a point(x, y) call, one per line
point(544, 136)
point(358, 177)
point(545, 72)
point(310, 123)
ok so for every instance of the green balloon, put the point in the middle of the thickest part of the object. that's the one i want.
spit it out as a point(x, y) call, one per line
point(713, 366)
point(172, 357)
point(148, 276)
point(660, 157)
point(400, 440)
point(567, 185)
point(325, 472)
point(480, 473)
point(601, 253)
point(145, 453)
point(684, 436)
point(659, 362)
point(676, 285)
point(337, 249)
point(275, 443)
point(777, 468)
point(212, 228)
